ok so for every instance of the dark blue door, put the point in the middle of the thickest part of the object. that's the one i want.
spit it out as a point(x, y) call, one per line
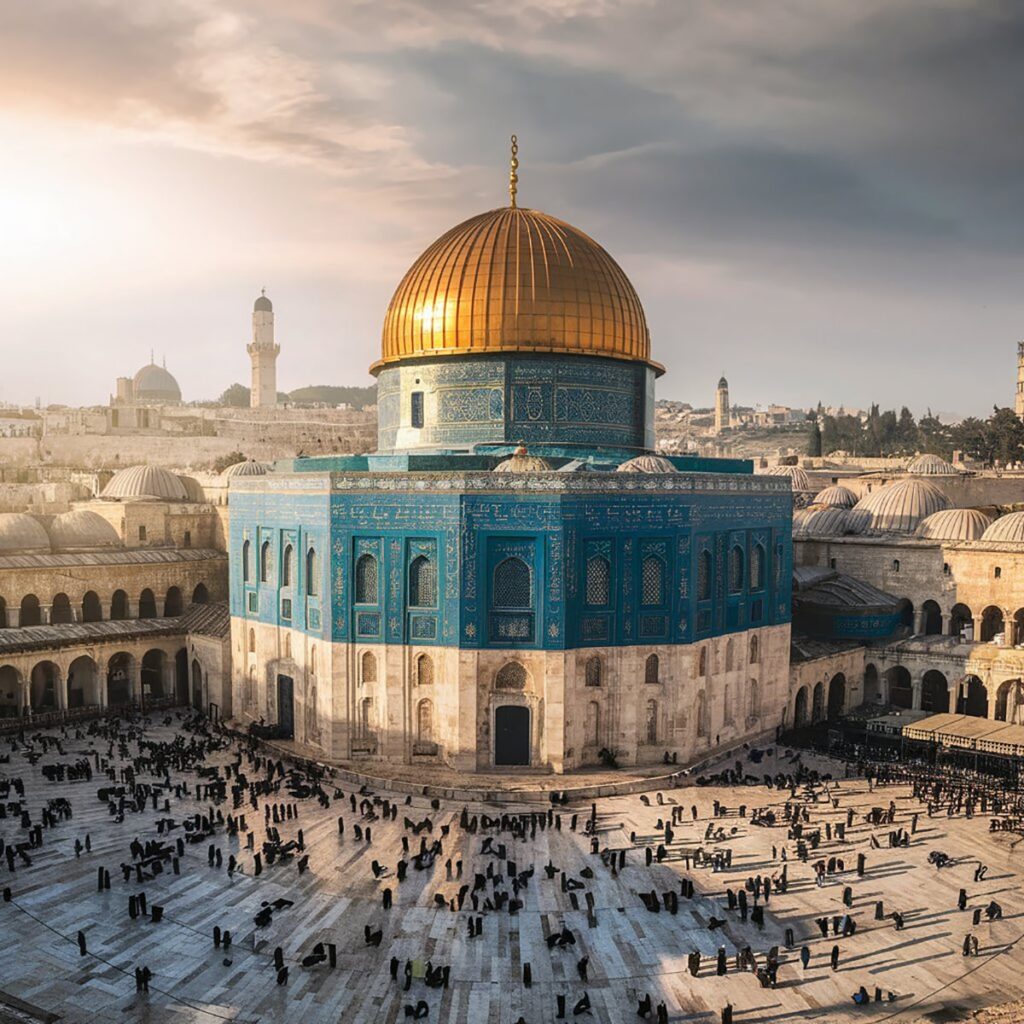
point(511, 735)
point(286, 707)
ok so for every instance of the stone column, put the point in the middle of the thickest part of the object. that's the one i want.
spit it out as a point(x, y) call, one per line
point(13, 618)
point(159, 607)
point(61, 686)
point(919, 621)
point(1009, 628)
point(24, 697)
point(916, 687)
point(45, 611)
point(135, 678)
point(977, 629)
point(101, 683)
point(169, 676)
point(133, 607)
point(947, 624)
point(105, 610)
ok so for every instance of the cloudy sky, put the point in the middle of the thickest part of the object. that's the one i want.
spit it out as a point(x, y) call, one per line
point(823, 199)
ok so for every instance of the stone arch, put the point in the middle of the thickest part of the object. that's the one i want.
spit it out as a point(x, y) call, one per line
point(872, 685)
point(288, 566)
point(368, 667)
point(818, 702)
point(931, 618)
point(755, 653)
point(934, 692)
point(961, 620)
point(83, 683)
point(265, 562)
point(991, 623)
point(425, 721)
point(181, 676)
point(800, 713)
point(10, 692)
point(147, 604)
point(152, 674)
point(173, 603)
point(836, 696)
point(972, 697)
point(60, 610)
point(119, 609)
point(905, 610)
point(901, 690)
point(44, 681)
point(200, 595)
point(511, 676)
point(593, 671)
point(312, 573)
point(197, 685)
point(422, 583)
point(30, 611)
point(92, 607)
point(1010, 702)
point(246, 561)
point(424, 670)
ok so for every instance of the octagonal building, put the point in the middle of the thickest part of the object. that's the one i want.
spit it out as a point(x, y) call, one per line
point(486, 591)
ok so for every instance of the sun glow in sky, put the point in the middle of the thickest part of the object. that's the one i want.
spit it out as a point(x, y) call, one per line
point(822, 201)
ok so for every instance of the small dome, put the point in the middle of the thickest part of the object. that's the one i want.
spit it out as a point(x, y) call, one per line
point(193, 488)
point(647, 464)
point(836, 496)
point(1008, 529)
point(82, 529)
point(800, 481)
point(954, 524)
point(248, 468)
point(898, 507)
point(823, 521)
point(262, 304)
point(145, 482)
point(932, 465)
point(520, 461)
point(21, 534)
point(153, 384)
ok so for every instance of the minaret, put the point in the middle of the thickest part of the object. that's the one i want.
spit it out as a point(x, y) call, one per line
point(722, 406)
point(263, 353)
point(1019, 404)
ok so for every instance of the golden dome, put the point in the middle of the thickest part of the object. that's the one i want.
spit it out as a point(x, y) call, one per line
point(515, 280)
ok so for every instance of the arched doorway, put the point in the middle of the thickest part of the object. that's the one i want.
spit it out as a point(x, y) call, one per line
point(1010, 702)
point(901, 692)
point(181, 676)
point(872, 689)
point(60, 610)
point(511, 735)
point(83, 683)
point(906, 612)
point(147, 604)
point(119, 680)
point(153, 674)
point(818, 703)
point(931, 615)
point(991, 623)
point(30, 614)
point(10, 691)
point(836, 696)
point(286, 707)
point(172, 603)
point(200, 595)
point(197, 685)
point(961, 621)
point(43, 686)
point(800, 707)
point(92, 610)
point(934, 692)
point(119, 605)
point(972, 698)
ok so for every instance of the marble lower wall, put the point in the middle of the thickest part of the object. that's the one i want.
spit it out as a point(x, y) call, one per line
point(406, 704)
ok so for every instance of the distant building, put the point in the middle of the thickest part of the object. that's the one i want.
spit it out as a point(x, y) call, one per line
point(722, 406)
point(263, 352)
point(1019, 404)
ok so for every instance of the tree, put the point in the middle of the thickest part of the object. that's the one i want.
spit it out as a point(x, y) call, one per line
point(223, 461)
point(237, 396)
point(814, 439)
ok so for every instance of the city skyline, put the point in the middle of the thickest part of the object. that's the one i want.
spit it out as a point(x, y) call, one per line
point(799, 200)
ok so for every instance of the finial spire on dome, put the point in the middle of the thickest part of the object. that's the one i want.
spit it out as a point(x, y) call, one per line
point(513, 177)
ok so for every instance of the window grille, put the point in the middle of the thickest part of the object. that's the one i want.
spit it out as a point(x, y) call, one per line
point(652, 582)
point(366, 580)
point(512, 584)
point(598, 584)
point(422, 583)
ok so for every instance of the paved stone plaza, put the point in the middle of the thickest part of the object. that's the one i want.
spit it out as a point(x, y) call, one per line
point(632, 951)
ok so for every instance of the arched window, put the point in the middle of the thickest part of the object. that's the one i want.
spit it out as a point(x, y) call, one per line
point(593, 723)
point(119, 605)
point(424, 670)
point(593, 671)
point(652, 721)
point(173, 602)
point(757, 568)
point(30, 613)
point(368, 671)
point(366, 580)
point(895, 565)
point(147, 604)
point(60, 610)
point(704, 576)
point(755, 654)
point(312, 573)
point(265, 562)
point(92, 608)
point(730, 650)
point(252, 641)
point(702, 714)
point(513, 587)
point(652, 582)
point(246, 561)
point(511, 676)
point(735, 569)
point(288, 566)
point(598, 582)
point(425, 722)
point(651, 669)
point(754, 702)
point(702, 662)
point(422, 583)
point(200, 595)
point(998, 572)
point(365, 716)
